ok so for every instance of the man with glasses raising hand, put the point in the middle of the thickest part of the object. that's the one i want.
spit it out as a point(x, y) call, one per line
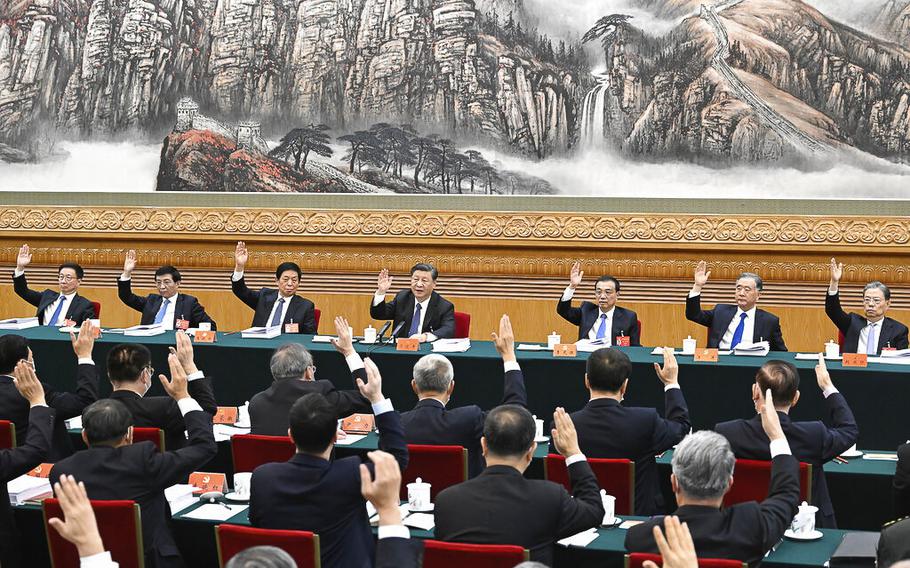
point(872, 331)
point(54, 308)
point(602, 320)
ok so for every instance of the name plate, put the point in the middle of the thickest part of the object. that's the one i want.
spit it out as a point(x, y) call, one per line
point(225, 415)
point(204, 481)
point(565, 350)
point(855, 360)
point(407, 344)
point(43, 471)
point(358, 423)
point(622, 341)
point(292, 327)
point(706, 355)
point(182, 324)
point(204, 336)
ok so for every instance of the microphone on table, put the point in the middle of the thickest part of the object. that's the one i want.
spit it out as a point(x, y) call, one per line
point(382, 331)
point(391, 338)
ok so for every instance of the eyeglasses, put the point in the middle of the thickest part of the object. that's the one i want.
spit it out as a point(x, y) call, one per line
point(600, 292)
point(873, 301)
point(65, 278)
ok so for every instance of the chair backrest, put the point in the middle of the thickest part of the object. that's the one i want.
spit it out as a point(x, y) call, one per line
point(7, 435)
point(302, 546)
point(440, 466)
point(249, 451)
point(462, 324)
point(153, 435)
point(639, 328)
point(751, 479)
point(616, 476)
point(637, 560)
point(841, 339)
point(120, 526)
point(97, 307)
point(438, 554)
point(317, 313)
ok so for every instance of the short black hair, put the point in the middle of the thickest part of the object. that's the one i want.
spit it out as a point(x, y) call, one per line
point(78, 269)
point(424, 267)
point(13, 348)
point(509, 431)
point(285, 266)
point(607, 278)
point(313, 422)
point(168, 269)
point(607, 369)
point(126, 361)
point(106, 421)
point(782, 378)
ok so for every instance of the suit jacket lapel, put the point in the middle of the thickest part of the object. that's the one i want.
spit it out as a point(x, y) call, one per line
point(408, 313)
point(431, 311)
point(293, 305)
point(48, 299)
point(588, 319)
point(723, 322)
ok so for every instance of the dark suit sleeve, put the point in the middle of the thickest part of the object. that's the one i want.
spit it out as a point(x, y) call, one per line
point(199, 315)
point(246, 295)
point(513, 388)
point(309, 319)
point(202, 392)
point(635, 331)
point(20, 460)
point(383, 310)
point(835, 313)
point(168, 468)
point(843, 431)
point(900, 340)
point(901, 485)
point(72, 404)
point(671, 430)
point(125, 293)
point(397, 552)
point(446, 321)
point(584, 509)
point(391, 438)
point(20, 286)
point(568, 313)
point(696, 314)
point(348, 402)
point(776, 342)
point(778, 508)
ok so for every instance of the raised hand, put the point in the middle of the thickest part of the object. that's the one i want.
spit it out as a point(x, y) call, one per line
point(701, 274)
point(677, 549)
point(28, 385)
point(382, 491)
point(372, 389)
point(564, 435)
point(129, 263)
point(384, 281)
point(505, 339)
point(821, 374)
point(83, 345)
point(24, 258)
point(241, 256)
point(575, 275)
point(669, 374)
point(185, 352)
point(837, 272)
point(344, 344)
point(80, 526)
point(178, 387)
point(770, 421)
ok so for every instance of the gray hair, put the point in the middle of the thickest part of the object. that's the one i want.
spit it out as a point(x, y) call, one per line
point(876, 285)
point(531, 565)
point(703, 463)
point(290, 361)
point(753, 276)
point(261, 557)
point(433, 373)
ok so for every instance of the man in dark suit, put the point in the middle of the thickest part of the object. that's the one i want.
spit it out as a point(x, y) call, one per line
point(295, 314)
point(13, 407)
point(432, 423)
point(813, 442)
point(901, 484)
point(114, 468)
point(420, 312)
point(871, 332)
point(603, 320)
point(607, 429)
point(703, 473)
point(21, 459)
point(54, 308)
point(729, 325)
point(314, 493)
point(130, 371)
point(169, 307)
point(501, 506)
point(295, 376)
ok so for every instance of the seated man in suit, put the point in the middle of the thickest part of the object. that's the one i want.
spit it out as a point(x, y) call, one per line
point(501, 506)
point(703, 473)
point(129, 368)
point(900, 486)
point(295, 375)
point(54, 308)
point(604, 319)
point(417, 312)
point(607, 429)
point(728, 325)
point(168, 307)
point(872, 331)
point(15, 408)
point(312, 492)
point(432, 423)
point(812, 442)
point(273, 307)
point(114, 468)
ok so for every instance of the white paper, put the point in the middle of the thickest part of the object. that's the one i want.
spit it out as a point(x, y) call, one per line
point(589, 345)
point(141, 330)
point(26, 487)
point(349, 439)
point(323, 338)
point(581, 539)
point(261, 332)
point(757, 349)
point(423, 521)
point(880, 457)
point(451, 345)
point(660, 351)
point(177, 491)
point(224, 432)
point(532, 347)
point(890, 360)
point(19, 323)
point(243, 415)
point(215, 512)
point(892, 353)
point(74, 423)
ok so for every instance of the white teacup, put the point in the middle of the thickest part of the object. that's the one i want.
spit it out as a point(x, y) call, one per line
point(609, 503)
point(553, 340)
point(804, 521)
point(689, 346)
point(832, 349)
point(538, 425)
point(369, 334)
point(419, 495)
point(242, 483)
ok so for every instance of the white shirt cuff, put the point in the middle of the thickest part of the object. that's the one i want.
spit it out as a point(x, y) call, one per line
point(671, 386)
point(383, 406)
point(829, 391)
point(830, 293)
point(195, 376)
point(567, 294)
point(430, 337)
point(125, 278)
point(393, 531)
point(187, 405)
point(236, 276)
point(354, 362)
point(575, 459)
point(779, 448)
point(693, 294)
point(86, 361)
point(37, 405)
point(511, 366)
point(100, 560)
point(18, 273)
point(378, 298)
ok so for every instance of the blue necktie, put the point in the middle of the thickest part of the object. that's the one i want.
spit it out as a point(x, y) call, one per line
point(57, 311)
point(871, 343)
point(161, 311)
point(415, 321)
point(738, 332)
point(276, 319)
point(602, 330)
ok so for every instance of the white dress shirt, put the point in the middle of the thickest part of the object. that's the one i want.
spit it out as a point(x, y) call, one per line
point(170, 318)
point(49, 311)
point(748, 329)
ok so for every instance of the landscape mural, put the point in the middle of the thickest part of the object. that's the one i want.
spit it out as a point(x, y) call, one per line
point(750, 98)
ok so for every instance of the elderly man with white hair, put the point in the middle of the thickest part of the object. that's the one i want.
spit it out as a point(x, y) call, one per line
point(703, 473)
point(434, 381)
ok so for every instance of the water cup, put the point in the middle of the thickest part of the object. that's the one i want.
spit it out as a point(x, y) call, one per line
point(96, 327)
point(242, 484)
point(538, 424)
point(553, 340)
point(419, 495)
point(804, 521)
point(689, 346)
point(832, 349)
point(609, 503)
point(205, 326)
point(369, 334)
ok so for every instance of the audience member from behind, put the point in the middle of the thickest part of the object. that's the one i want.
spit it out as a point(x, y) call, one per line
point(129, 368)
point(434, 381)
point(114, 468)
point(54, 308)
point(312, 492)
point(501, 506)
point(812, 442)
point(261, 557)
point(15, 408)
point(607, 429)
point(703, 473)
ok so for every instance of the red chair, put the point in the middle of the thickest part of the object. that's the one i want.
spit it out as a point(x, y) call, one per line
point(249, 451)
point(120, 526)
point(616, 476)
point(438, 554)
point(302, 546)
point(440, 466)
point(751, 479)
point(462, 324)
point(7, 435)
point(153, 435)
point(639, 329)
point(97, 307)
point(841, 339)
point(637, 560)
point(317, 313)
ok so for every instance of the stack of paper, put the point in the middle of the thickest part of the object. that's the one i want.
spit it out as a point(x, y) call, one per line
point(224, 432)
point(26, 487)
point(215, 512)
point(74, 423)
point(261, 332)
point(19, 323)
point(451, 345)
point(141, 330)
point(532, 347)
point(581, 539)
point(897, 360)
point(660, 351)
point(590, 345)
point(758, 349)
point(423, 521)
point(349, 439)
point(179, 497)
point(890, 353)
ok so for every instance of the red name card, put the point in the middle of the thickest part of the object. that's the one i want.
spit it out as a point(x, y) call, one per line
point(706, 355)
point(622, 341)
point(43, 470)
point(565, 350)
point(407, 344)
point(855, 360)
point(205, 482)
point(204, 336)
point(225, 415)
point(358, 423)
